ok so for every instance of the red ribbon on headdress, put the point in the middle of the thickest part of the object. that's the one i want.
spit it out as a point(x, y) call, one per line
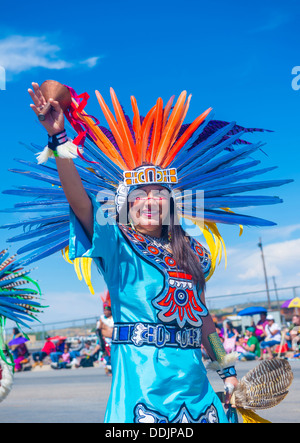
point(78, 124)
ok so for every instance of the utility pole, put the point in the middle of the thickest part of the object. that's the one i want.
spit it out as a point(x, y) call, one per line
point(276, 293)
point(265, 272)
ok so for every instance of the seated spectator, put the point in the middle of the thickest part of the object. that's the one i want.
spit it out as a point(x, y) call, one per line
point(64, 361)
point(249, 349)
point(273, 336)
point(88, 355)
point(59, 350)
point(39, 357)
point(261, 326)
point(75, 352)
point(292, 335)
point(14, 348)
point(230, 335)
point(22, 356)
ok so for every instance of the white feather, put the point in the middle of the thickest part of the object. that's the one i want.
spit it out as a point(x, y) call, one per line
point(66, 150)
point(7, 380)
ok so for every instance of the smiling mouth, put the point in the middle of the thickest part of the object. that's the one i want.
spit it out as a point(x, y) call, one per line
point(150, 214)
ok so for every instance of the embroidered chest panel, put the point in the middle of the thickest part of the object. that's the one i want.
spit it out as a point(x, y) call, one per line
point(179, 301)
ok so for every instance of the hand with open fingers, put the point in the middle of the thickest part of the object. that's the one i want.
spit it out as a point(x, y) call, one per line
point(54, 121)
point(230, 385)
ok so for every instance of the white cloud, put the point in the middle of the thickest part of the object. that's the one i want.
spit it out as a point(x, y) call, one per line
point(280, 232)
point(22, 53)
point(91, 62)
point(19, 54)
point(279, 257)
point(245, 273)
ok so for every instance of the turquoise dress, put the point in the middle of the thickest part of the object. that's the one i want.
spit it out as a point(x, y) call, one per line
point(158, 374)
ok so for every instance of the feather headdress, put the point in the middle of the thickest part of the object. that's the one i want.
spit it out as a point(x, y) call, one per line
point(207, 155)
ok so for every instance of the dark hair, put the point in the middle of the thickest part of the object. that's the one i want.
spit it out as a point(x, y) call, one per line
point(183, 254)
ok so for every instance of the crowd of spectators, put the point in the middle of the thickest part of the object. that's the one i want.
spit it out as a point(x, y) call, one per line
point(263, 339)
point(60, 353)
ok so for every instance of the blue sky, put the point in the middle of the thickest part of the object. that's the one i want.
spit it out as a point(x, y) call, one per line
point(236, 57)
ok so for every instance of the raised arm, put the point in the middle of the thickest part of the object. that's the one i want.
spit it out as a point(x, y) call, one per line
point(69, 177)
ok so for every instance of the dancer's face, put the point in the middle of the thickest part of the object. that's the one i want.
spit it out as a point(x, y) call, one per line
point(149, 208)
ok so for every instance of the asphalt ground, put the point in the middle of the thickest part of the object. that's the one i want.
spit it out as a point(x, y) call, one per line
point(80, 396)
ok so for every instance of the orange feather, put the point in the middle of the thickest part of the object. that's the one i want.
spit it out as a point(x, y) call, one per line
point(110, 120)
point(137, 127)
point(128, 148)
point(136, 122)
point(102, 141)
point(146, 127)
point(167, 110)
point(184, 138)
point(158, 122)
point(180, 122)
point(170, 128)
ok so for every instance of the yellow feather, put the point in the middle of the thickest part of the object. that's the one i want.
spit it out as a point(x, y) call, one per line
point(86, 264)
point(250, 416)
point(77, 268)
point(65, 254)
point(241, 226)
point(82, 266)
point(214, 242)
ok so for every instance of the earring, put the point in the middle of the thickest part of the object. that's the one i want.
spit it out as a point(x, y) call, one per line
point(131, 224)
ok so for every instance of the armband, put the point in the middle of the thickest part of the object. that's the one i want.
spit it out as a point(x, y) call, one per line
point(59, 145)
point(224, 363)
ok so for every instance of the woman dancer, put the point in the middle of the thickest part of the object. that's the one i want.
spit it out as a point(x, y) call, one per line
point(154, 272)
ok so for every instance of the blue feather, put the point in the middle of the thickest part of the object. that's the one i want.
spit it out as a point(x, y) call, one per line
point(233, 178)
point(38, 192)
point(38, 232)
point(191, 203)
point(206, 177)
point(14, 317)
point(41, 168)
point(181, 156)
point(44, 252)
point(45, 241)
point(205, 157)
point(44, 202)
point(37, 176)
point(216, 216)
point(226, 159)
point(245, 187)
point(15, 292)
point(42, 208)
point(36, 221)
point(205, 145)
